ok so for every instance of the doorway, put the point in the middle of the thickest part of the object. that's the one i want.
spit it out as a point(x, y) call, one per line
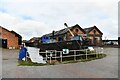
point(4, 43)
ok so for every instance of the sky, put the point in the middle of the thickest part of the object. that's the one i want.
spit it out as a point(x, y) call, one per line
point(34, 18)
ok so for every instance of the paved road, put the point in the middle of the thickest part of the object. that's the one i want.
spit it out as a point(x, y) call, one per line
point(101, 68)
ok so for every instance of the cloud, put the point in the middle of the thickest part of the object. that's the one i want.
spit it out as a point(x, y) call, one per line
point(8, 20)
point(30, 28)
point(34, 18)
point(27, 28)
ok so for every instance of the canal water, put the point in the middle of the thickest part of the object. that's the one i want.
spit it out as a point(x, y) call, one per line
point(34, 55)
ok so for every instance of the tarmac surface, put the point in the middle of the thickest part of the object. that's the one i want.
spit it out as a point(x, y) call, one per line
point(101, 68)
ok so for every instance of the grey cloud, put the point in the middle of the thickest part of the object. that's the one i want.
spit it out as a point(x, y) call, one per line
point(54, 13)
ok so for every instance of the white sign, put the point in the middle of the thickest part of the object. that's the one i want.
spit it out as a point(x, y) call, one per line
point(91, 48)
point(65, 51)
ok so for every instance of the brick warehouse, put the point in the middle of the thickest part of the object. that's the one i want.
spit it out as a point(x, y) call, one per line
point(93, 33)
point(9, 39)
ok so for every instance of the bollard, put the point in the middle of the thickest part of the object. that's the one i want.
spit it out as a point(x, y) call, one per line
point(46, 55)
point(86, 54)
point(98, 51)
point(50, 57)
point(74, 55)
point(55, 55)
point(61, 55)
point(102, 52)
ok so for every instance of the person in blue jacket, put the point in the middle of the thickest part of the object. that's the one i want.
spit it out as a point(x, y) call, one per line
point(22, 52)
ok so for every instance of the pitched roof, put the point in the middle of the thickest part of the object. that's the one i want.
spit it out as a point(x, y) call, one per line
point(63, 31)
point(87, 30)
point(15, 33)
point(4, 28)
point(79, 28)
point(11, 31)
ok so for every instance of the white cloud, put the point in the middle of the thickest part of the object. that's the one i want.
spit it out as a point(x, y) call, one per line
point(31, 28)
point(8, 20)
point(27, 28)
point(48, 15)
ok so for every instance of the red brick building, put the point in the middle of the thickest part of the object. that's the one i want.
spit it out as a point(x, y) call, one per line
point(93, 33)
point(9, 39)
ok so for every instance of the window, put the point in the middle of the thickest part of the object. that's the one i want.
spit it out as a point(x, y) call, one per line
point(76, 30)
point(94, 31)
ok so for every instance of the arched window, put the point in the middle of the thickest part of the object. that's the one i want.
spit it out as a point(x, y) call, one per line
point(76, 30)
point(94, 31)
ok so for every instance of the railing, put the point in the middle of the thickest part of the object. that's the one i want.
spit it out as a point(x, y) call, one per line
point(53, 54)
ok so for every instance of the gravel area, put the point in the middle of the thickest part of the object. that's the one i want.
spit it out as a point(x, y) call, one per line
point(101, 68)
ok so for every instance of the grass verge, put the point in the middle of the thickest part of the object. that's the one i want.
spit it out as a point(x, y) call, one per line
point(66, 61)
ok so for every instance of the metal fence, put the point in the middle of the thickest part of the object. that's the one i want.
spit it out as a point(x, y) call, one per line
point(53, 54)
